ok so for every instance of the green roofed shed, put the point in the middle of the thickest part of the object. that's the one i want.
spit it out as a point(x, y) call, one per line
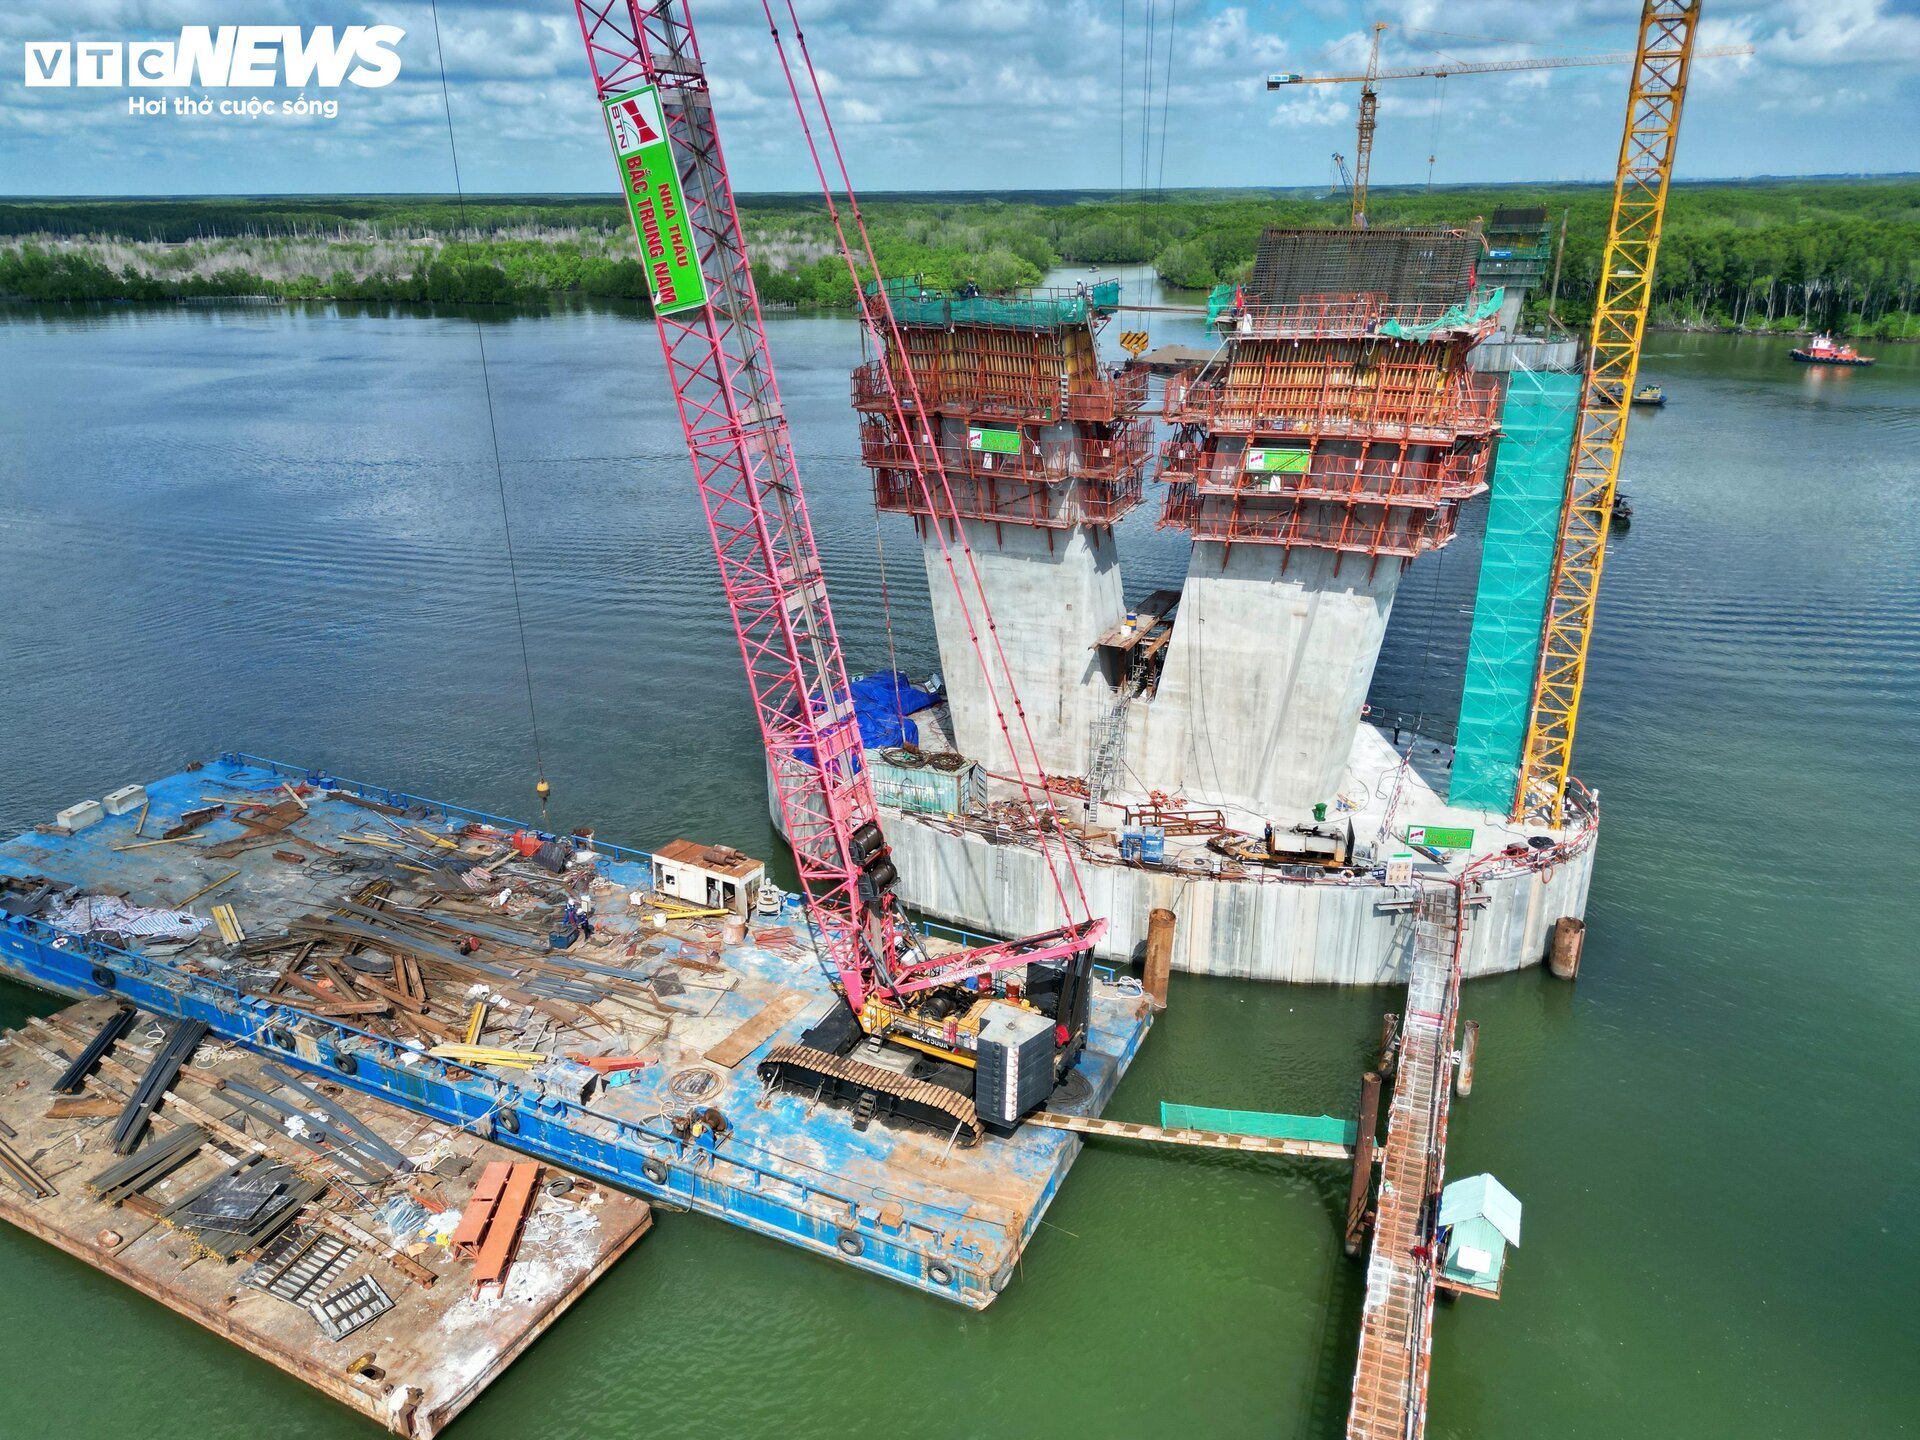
point(1480, 1218)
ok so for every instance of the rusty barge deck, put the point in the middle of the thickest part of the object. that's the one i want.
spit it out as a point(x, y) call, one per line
point(369, 1237)
point(348, 930)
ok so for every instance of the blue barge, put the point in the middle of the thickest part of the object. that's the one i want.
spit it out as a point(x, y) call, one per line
point(897, 1201)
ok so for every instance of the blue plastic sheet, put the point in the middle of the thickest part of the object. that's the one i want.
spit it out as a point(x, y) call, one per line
point(882, 704)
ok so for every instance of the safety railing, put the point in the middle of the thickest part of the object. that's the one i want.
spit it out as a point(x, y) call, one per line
point(1349, 478)
point(1112, 397)
point(1095, 458)
point(1009, 499)
point(1042, 308)
point(1388, 530)
point(1320, 316)
point(1329, 407)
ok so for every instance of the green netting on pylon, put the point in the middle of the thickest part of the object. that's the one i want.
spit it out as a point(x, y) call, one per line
point(913, 304)
point(1457, 317)
point(1523, 525)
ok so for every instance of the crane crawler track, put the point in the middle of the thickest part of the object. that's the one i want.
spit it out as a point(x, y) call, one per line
point(804, 1070)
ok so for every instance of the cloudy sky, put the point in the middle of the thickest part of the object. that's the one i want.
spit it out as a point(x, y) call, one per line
point(993, 94)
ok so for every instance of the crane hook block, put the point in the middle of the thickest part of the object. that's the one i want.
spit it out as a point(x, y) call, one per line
point(543, 789)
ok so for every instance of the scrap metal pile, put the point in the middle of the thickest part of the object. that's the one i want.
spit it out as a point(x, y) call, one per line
point(256, 1166)
point(484, 946)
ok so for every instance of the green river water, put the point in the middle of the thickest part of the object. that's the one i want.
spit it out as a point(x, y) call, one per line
point(277, 530)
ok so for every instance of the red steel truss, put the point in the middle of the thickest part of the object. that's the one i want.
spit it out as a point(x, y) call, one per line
point(723, 385)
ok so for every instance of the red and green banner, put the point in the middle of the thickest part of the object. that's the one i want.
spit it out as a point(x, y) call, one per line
point(1279, 462)
point(993, 442)
point(654, 195)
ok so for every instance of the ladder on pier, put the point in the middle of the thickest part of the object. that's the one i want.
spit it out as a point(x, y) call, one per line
point(1109, 743)
point(1396, 1323)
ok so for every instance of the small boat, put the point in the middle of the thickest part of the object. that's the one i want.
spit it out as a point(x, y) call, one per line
point(1825, 350)
point(1622, 512)
point(1650, 395)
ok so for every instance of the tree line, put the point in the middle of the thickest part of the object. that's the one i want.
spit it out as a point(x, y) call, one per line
point(1842, 255)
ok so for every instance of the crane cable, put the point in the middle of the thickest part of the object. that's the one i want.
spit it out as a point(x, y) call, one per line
point(541, 787)
point(1166, 90)
point(1123, 96)
point(1027, 787)
point(1433, 132)
point(1146, 103)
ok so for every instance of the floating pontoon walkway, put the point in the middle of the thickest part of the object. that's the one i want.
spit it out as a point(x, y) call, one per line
point(1198, 1139)
point(1396, 1325)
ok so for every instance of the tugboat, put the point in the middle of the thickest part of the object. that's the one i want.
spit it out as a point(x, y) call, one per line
point(1824, 350)
point(1650, 395)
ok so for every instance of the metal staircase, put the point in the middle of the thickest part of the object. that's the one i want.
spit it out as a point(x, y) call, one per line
point(1109, 743)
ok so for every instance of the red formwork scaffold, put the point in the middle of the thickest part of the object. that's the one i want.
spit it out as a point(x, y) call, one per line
point(1342, 421)
point(1029, 426)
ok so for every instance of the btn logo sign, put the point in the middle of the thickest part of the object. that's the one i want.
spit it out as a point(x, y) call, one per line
point(656, 199)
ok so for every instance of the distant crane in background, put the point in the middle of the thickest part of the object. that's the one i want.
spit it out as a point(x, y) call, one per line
point(1373, 74)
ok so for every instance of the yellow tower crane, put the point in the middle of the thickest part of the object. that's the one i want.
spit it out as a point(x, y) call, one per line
point(1373, 74)
point(1619, 321)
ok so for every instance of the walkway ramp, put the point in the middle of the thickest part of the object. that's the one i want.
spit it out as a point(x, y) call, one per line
point(1396, 1325)
point(1201, 1139)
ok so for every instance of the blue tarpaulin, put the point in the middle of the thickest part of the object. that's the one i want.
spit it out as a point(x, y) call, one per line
point(882, 703)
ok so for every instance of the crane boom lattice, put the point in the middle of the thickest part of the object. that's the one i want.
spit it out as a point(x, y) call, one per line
point(1619, 321)
point(647, 69)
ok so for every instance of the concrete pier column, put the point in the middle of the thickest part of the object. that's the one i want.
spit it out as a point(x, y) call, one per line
point(1052, 594)
point(1269, 666)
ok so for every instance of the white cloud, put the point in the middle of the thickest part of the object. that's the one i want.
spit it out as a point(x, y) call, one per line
point(993, 93)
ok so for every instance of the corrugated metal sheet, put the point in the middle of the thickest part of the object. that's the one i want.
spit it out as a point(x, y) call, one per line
point(1408, 266)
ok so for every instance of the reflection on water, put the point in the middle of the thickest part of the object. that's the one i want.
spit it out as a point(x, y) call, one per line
point(277, 529)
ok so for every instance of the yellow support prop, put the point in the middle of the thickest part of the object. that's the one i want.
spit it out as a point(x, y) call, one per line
point(1619, 321)
point(486, 1055)
point(208, 889)
point(476, 1022)
point(677, 910)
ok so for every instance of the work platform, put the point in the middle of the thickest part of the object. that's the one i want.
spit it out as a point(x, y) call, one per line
point(697, 998)
point(1396, 1319)
point(1346, 924)
point(412, 1366)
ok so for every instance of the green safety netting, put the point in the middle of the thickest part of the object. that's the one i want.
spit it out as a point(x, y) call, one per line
point(1463, 316)
point(1259, 1122)
point(913, 304)
point(1459, 317)
point(1523, 525)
